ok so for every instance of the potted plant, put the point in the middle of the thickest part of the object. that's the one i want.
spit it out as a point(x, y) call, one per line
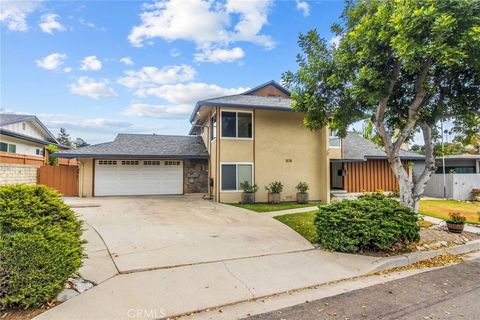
point(456, 222)
point(302, 194)
point(476, 194)
point(248, 194)
point(274, 189)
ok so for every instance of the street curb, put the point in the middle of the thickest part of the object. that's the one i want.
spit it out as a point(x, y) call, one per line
point(407, 259)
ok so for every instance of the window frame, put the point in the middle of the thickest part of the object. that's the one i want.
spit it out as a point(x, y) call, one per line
point(236, 125)
point(330, 136)
point(213, 128)
point(236, 174)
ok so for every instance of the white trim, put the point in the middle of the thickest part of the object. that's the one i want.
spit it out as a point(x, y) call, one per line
point(236, 125)
point(236, 173)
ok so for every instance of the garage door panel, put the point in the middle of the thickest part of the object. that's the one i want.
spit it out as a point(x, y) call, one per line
point(148, 177)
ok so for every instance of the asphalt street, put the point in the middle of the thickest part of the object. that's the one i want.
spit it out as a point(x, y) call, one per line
point(447, 293)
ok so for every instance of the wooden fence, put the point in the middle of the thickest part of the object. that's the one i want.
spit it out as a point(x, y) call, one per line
point(370, 176)
point(62, 178)
point(15, 158)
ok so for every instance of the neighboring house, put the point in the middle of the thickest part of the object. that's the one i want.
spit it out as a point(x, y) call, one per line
point(252, 137)
point(23, 139)
point(462, 174)
point(359, 165)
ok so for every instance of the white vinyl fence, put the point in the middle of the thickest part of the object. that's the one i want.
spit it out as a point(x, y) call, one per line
point(458, 186)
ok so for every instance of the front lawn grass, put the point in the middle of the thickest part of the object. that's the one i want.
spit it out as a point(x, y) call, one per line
point(441, 208)
point(303, 223)
point(267, 207)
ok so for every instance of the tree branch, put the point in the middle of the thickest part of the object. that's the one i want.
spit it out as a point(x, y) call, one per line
point(430, 167)
point(421, 98)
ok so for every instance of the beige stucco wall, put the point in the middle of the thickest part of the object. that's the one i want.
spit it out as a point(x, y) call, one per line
point(283, 149)
point(335, 153)
point(85, 183)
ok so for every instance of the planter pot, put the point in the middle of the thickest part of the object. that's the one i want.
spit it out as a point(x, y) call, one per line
point(476, 197)
point(455, 227)
point(302, 197)
point(274, 198)
point(248, 197)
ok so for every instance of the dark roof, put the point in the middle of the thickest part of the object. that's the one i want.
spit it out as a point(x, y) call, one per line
point(29, 138)
point(143, 145)
point(248, 101)
point(10, 118)
point(356, 147)
point(266, 84)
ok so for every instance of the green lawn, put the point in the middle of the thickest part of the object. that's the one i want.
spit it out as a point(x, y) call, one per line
point(441, 209)
point(301, 223)
point(267, 207)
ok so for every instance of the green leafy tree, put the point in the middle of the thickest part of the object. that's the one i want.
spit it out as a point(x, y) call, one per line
point(79, 142)
point(369, 133)
point(52, 160)
point(405, 64)
point(64, 138)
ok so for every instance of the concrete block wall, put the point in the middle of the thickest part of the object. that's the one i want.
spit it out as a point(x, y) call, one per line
point(17, 173)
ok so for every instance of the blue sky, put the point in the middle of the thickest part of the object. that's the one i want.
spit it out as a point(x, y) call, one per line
point(98, 68)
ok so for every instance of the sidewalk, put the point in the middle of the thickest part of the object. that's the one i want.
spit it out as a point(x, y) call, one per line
point(175, 291)
point(468, 227)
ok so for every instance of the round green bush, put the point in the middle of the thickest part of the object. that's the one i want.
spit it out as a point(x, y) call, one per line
point(372, 222)
point(40, 245)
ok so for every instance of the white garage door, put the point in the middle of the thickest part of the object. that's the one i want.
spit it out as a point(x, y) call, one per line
point(138, 177)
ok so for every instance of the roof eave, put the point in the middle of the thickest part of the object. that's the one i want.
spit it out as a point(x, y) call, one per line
point(31, 139)
point(127, 156)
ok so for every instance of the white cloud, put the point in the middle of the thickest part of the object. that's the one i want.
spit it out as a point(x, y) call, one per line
point(89, 87)
point(334, 41)
point(126, 61)
point(304, 7)
point(52, 61)
point(49, 23)
point(151, 76)
point(204, 22)
point(175, 53)
point(13, 14)
point(91, 63)
point(67, 70)
point(220, 55)
point(158, 111)
point(188, 93)
point(90, 24)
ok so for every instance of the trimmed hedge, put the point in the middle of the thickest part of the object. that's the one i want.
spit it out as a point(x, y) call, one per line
point(372, 222)
point(40, 245)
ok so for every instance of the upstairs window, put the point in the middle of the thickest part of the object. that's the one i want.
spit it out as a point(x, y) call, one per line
point(333, 140)
point(237, 124)
point(213, 127)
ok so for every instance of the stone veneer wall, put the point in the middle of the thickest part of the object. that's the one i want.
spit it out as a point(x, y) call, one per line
point(195, 176)
point(17, 173)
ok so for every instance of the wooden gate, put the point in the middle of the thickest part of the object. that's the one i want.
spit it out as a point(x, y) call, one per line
point(62, 178)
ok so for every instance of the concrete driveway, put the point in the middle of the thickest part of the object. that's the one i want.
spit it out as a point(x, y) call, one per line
point(143, 233)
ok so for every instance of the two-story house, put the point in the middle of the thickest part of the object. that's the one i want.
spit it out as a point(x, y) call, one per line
point(253, 136)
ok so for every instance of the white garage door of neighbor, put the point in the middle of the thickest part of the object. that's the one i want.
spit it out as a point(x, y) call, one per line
point(138, 177)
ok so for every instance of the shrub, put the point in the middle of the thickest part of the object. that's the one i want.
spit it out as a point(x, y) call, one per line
point(274, 187)
point(40, 245)
point(302, 187)
point(248, 188)
point(372, 222)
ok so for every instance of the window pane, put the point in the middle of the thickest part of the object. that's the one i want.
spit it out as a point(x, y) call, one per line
point(334, 142)
point(213, 128)
point(229, 120)
point(244, 125)
point(12, 148)
point(244, 174)
point(3, 147)
point(229, 177)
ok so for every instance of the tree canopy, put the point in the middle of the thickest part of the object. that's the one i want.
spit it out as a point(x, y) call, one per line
point(405, 64)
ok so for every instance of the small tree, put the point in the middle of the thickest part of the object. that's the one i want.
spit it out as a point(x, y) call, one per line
point(79, 142)
point(64, 138)
point(404, 64)
point(52, 160)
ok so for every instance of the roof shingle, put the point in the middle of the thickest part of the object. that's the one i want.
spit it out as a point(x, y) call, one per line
point(143, 145)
